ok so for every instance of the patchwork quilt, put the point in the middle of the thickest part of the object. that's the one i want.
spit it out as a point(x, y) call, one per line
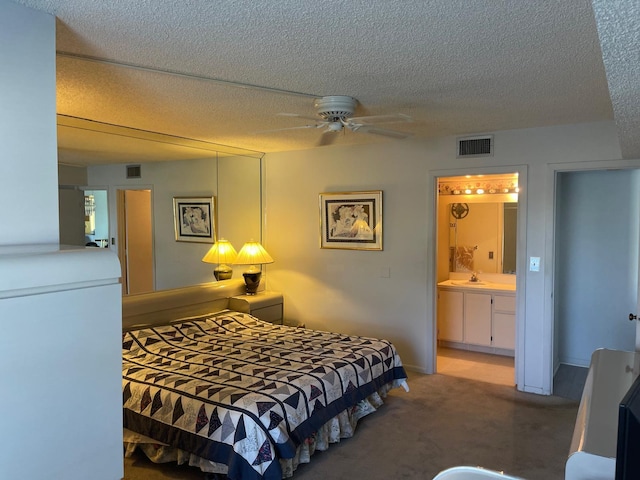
point(242, 392)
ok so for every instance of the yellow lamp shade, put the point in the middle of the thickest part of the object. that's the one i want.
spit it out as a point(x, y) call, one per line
point(252, 253)
point(222, 252)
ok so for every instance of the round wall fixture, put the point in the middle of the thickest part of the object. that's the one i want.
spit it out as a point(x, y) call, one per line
point(459, 210)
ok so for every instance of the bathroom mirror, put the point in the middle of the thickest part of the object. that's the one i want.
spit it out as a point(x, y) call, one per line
point(482, 237)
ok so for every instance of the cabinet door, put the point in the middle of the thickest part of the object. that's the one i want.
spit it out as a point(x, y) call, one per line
point(477, 318)
point(504, 330)
point(450, 315)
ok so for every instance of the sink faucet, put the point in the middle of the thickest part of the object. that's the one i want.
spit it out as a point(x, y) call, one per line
point(474, 277)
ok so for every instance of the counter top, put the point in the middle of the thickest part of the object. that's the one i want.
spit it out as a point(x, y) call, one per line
point(480, 285)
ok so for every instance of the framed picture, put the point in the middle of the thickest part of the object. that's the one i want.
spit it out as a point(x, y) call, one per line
point(193, 219)
point(351, 220)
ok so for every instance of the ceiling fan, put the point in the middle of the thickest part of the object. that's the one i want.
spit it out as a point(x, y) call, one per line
point(335, 114)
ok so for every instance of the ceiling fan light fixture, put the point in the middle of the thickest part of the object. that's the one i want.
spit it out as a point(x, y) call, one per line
point(334, 127)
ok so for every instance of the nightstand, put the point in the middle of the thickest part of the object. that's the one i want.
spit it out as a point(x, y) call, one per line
point(265, 305)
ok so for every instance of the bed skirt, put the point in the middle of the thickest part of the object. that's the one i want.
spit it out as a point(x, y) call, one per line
point(341, 426)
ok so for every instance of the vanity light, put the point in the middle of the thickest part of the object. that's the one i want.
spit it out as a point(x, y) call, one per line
point(222, 253)
point(252, 253)
point(480, 191)
point(468, 191)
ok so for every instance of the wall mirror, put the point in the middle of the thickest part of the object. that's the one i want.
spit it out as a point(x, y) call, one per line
point(170, 167)
point(482, 237)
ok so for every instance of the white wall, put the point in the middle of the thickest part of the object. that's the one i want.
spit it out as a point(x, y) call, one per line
point(596, 262)
point(61, 387)
point(27, 83)
point(346, 290)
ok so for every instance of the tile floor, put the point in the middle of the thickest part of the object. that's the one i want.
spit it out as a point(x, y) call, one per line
point(483, 367)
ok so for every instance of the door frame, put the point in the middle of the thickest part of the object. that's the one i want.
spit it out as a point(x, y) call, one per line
point(432, 255)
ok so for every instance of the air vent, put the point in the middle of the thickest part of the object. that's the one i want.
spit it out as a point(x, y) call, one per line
point(134, 171)
point(475, 146)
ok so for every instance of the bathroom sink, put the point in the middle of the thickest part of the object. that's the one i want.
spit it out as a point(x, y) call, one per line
point(468, 282)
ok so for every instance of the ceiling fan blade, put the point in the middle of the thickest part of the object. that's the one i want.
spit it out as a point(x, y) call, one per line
point(382, 131)
point(301, 127)
point(295, 115)
point(327, 138)
point(370, 119)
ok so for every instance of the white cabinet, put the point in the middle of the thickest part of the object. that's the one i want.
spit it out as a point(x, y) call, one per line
point(504, 321)
point(477, 318)
point(450, 315)
point(481, 319)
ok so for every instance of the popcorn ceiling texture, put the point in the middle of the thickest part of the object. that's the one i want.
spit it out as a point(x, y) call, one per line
point(619, 30)
point(456, 66)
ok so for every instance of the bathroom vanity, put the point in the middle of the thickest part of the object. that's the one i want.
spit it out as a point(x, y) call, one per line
point(477, 316)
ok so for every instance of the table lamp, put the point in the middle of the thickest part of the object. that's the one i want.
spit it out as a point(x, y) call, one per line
point(222, 253)
point(252, 253)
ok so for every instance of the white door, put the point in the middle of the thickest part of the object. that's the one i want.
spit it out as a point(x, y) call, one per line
point(135, 241)
point(634, 316)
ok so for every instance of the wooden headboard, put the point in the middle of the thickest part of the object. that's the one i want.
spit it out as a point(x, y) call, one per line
point(166, 306)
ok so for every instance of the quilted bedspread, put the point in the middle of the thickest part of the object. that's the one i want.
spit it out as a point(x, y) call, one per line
point(242, 392)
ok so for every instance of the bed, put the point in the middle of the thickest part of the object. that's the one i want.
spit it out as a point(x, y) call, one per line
point(234, 395)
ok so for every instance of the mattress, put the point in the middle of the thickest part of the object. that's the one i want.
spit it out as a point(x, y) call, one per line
point(245, 396)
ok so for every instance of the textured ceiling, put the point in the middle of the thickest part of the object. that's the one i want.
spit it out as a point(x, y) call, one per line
point(220, 71)
point(619, 30)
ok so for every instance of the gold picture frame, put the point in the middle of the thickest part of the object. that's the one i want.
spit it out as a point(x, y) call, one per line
point(194, 219)
point(351, 220)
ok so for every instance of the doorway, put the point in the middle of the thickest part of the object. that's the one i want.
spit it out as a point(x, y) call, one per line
point(475, 276)
point(135, 240)
point(596, 236)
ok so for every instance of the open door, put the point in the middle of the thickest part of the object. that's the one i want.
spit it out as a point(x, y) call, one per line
point(71, 216)
point(135, 240)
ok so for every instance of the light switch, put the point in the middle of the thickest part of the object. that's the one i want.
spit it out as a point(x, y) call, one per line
point(534, 264)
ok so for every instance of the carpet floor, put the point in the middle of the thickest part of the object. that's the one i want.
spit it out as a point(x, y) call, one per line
point(444, 421)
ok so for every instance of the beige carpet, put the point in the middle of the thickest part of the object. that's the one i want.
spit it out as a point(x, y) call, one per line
point(442, 422)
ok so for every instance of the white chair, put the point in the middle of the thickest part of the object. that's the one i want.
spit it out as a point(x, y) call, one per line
point(472, 473)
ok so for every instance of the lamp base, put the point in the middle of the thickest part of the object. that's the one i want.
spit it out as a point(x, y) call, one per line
point(252, 280)
point(223, 272)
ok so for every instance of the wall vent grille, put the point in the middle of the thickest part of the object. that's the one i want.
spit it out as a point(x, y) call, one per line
point(475, 146)
point(134, 171)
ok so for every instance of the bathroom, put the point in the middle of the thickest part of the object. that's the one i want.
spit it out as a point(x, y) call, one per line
point(477, 219)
